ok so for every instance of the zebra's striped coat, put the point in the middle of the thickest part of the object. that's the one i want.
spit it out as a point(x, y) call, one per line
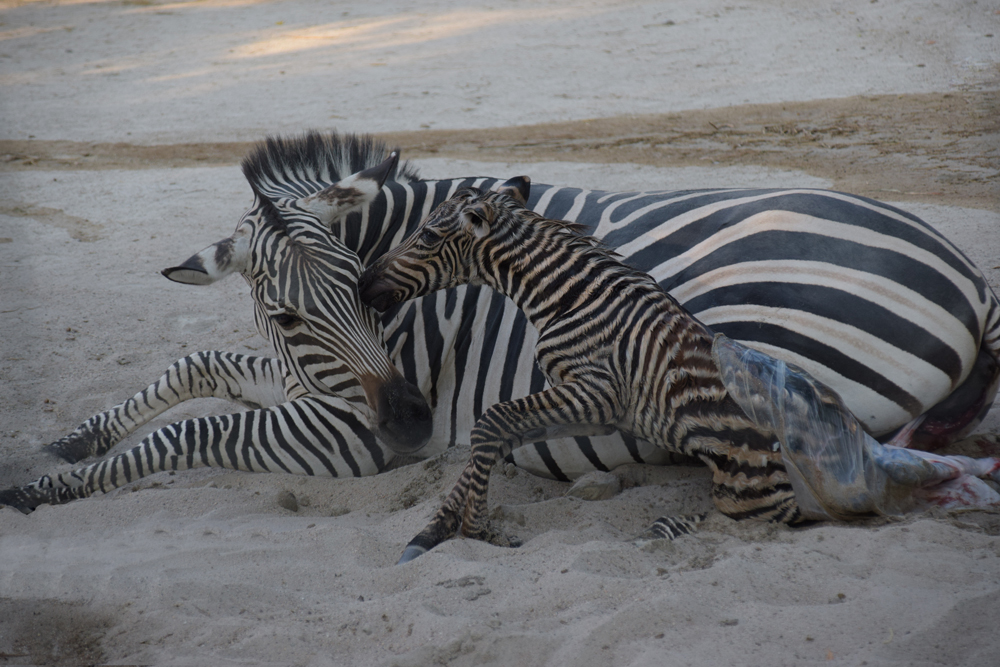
point(618, 351)
point(468, 348)
point(895, 320)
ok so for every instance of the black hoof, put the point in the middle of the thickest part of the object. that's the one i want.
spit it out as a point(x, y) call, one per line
point(410, 553)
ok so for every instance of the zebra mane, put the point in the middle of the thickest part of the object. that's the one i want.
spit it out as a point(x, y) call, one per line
point(578, 238)
point(281, 167)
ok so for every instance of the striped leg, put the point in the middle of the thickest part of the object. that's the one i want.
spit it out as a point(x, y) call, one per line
point(251, 381)
point(957, 415)
point(670, 528)
point(309, 436)
point(566, 410)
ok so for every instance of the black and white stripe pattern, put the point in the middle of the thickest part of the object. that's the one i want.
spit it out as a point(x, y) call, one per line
point(867, 298)
point(619, 352)
point(622, 354)
point(670, 528)
point(893, 334)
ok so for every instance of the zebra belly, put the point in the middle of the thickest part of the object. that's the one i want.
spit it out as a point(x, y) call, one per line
point(575, 457)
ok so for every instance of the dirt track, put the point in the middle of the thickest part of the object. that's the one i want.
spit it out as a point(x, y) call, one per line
point(940, 148)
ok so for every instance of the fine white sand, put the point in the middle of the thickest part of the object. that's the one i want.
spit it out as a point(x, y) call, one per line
point(205, 567)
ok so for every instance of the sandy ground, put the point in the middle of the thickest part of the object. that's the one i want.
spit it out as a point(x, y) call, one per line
point(123, 123)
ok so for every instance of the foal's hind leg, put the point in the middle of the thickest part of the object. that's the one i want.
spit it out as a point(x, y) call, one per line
point(670, 528)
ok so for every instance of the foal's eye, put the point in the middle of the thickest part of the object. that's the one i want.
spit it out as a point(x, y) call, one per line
point(429, 236)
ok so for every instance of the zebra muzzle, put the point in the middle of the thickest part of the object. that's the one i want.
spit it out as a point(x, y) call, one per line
point(405, 421)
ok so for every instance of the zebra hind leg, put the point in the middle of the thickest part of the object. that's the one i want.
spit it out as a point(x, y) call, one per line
point(959, 413)
point(670, 528)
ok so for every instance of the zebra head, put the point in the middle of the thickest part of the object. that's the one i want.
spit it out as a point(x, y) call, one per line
point(304, 285)
point(438, 254)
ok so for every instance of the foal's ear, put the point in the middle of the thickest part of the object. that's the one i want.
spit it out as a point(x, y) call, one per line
point(477, 218)
point(518, 187)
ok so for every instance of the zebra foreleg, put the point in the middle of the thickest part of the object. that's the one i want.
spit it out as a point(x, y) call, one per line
point(324, 436)
point(445, 523)
point(561, 411)
point(465, 505)
point(250, 381)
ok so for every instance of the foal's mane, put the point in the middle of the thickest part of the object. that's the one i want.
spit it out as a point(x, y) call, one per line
point(575, 234)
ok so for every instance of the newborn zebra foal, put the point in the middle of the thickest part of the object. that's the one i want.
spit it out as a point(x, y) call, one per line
point(618, 350)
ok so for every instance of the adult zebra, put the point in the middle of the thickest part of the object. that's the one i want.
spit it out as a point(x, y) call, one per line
point(867, 298)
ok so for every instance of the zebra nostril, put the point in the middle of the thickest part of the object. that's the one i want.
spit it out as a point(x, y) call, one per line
point(405, 418)
point(373, 291)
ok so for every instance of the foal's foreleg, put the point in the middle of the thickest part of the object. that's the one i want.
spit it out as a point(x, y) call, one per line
point(566, 410)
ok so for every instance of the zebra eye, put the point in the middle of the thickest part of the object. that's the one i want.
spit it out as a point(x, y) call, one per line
point(429, 236)
point(284, 320)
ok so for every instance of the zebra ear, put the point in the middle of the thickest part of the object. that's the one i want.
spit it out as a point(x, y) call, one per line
point(518, 187)
point(349, 193)
point(477, 218)
point(230, 255)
